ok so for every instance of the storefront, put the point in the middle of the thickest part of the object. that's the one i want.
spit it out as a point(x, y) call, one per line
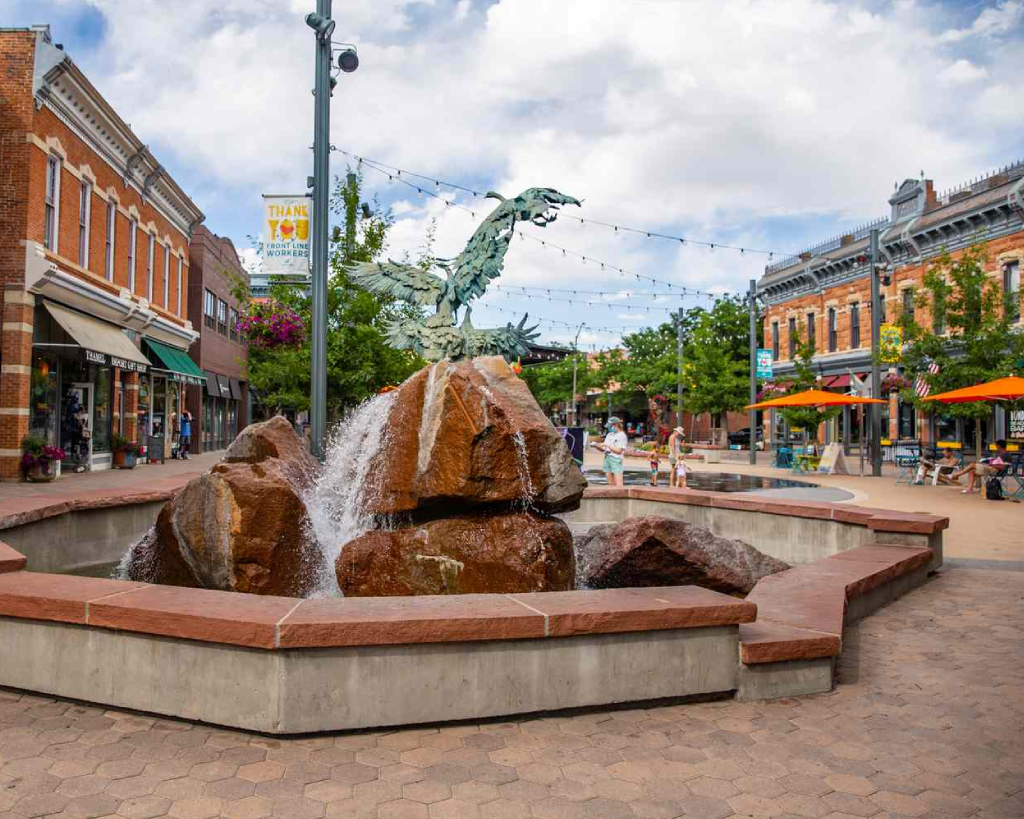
point(171, 372)
point(76, 392)
point(220, 411)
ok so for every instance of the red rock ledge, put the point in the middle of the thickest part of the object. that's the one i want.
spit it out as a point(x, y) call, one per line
point(282, 622)
point(882, 520)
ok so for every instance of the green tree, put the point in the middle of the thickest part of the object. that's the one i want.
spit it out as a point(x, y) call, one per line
point(971, 336)
point(359, 362)
point(716, 372)
point(551, 382)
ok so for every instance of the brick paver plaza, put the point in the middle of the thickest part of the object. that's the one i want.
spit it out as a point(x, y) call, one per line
point(928, 720)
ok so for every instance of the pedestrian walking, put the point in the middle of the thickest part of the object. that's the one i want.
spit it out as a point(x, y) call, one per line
point(185, 435)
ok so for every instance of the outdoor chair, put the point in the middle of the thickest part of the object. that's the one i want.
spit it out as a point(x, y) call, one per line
point(907, 466)
point(1013, 480)
point(783, 457)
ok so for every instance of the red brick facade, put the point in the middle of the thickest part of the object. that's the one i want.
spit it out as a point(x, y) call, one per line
point(31, 133)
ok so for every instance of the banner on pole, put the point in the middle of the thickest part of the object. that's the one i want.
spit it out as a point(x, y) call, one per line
point(286, 234)
point(764, 363)
point(890, 343)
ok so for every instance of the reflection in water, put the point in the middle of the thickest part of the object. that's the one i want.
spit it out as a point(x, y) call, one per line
point(707, 481)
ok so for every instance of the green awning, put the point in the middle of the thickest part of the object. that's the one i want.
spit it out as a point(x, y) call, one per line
point(176, 362)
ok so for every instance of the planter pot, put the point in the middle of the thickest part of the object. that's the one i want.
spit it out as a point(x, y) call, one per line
point(39, 475)
point(124, 460)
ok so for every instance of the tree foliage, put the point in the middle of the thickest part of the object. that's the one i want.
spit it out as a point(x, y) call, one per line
point(977, 340)
point(551, 382)
point(359, 362)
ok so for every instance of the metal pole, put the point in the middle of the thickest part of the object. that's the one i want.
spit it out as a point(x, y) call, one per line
point(876, 370)
point(575, 362)
point(321, 186)
point(753, 370)
point(679, 369)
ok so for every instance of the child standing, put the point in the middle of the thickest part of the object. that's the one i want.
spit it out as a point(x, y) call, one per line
point(681, 472)
point(655, 462)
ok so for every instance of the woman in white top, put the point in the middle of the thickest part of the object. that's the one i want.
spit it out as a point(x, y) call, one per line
point(614, 446)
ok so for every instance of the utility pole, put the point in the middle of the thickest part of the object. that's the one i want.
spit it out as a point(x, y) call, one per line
point(575, 362)
point(753, 370)
point(876, 370)
point(322, 24)
point(679, 368)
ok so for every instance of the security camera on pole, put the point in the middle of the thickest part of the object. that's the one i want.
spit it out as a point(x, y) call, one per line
point(348, 61)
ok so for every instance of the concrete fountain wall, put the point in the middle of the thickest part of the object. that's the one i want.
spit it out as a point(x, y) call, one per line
point(284, 665)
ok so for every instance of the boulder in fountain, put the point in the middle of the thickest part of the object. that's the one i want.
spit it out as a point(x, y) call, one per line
point(241, 526)
point(658, 551)
point(470, 434)
point(501, 553)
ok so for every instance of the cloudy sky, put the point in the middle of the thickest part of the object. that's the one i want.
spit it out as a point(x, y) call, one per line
point(767, 125)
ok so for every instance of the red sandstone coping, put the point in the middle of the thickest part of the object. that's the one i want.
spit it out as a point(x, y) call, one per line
point(881, 520)
point(10, 560)
point(283, 622)
point(20, 511)
point(802, 611)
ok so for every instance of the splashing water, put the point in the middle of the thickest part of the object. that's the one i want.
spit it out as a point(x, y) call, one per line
point(523, 467)
point(335, 502)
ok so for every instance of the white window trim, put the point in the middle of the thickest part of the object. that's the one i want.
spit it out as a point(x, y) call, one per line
point(149, 269)
point(111, 235)
point(133, 246)
point(179, 285)
point(83, 247)
point(53, 159)
point(167, 275)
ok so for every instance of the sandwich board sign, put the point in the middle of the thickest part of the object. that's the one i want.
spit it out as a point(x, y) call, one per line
point(833, 462)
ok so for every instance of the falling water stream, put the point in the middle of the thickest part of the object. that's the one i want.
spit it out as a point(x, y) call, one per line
point(335, 501)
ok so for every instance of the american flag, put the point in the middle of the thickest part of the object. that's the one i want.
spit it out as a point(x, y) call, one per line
point(921, 385)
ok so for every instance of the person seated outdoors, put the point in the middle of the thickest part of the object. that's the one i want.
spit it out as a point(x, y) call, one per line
point(994, 466)
point(940, 470)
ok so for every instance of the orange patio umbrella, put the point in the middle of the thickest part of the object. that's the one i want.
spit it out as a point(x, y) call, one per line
point(1002, 389)
point(814, 398)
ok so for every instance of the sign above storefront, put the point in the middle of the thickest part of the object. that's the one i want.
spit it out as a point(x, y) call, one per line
point(286, 235)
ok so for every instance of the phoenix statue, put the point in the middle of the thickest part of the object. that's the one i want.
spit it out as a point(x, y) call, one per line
point(466, 277)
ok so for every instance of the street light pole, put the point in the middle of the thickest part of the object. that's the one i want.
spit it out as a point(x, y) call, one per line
point(575, 362)
point(876, 370)
point(679, 368)
point(753, 370)
point(324, 27)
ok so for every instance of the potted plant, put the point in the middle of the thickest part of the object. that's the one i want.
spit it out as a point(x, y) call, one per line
point(125, 452)
point(40, 462)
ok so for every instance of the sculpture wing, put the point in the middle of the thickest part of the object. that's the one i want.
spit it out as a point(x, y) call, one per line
point(484, 254)
point(402, 281)
point(509, 341)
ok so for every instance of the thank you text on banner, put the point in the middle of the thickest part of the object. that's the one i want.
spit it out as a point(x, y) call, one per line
point(286, 234)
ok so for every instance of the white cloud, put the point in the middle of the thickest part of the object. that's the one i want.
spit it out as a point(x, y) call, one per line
point(756, 124)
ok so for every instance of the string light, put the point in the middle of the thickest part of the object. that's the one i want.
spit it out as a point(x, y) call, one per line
point(650, 234)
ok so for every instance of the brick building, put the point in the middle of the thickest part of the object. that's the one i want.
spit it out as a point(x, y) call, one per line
point(220, 406)
point(94, 265)
point(825, 291)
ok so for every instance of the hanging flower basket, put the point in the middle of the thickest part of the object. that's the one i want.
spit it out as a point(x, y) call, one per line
point(270, 325)
point(894, 383)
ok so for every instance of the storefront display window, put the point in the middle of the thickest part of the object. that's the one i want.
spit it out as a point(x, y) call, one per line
point(208, 424)
point(44, 410)
point(142, 411)
point(232, 421)
point(101, 409)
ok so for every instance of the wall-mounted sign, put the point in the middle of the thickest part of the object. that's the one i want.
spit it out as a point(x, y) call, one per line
point(94, 357)
point(125, 364)
point(286, 234)
point(764, 363)
point(890, 343)
point(1016, 423)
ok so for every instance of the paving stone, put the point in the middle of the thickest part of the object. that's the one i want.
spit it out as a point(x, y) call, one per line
point(900, 803)
point(96, 804)
point(231, 789)
point(252, 807)
point(144, 807)
point(454, 809)
point(195, 808)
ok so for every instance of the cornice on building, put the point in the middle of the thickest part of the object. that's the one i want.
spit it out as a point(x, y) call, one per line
point(60, 86)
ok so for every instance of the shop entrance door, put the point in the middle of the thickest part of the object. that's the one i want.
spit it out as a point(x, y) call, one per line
point(79, 425)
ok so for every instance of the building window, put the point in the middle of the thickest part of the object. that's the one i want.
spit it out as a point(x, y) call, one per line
point(222, 317)
point(209, 310)
point(179, 285)
point(132, 244)
point(854, 326)
point(811, 331)
point(84, 215)
point(792, 338)
point(832, 335)
point(108, 260)
point(908, 302)
point(233, 324)
point(1011, 290)
point(52, 203)
point(149, 267)
point(167, 275)
point(775, 341)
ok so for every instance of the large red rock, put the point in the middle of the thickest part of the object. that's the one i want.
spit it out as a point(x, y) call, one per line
point(468, 554)
point(657, 551)
point(467, 434)
point(240, 526)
